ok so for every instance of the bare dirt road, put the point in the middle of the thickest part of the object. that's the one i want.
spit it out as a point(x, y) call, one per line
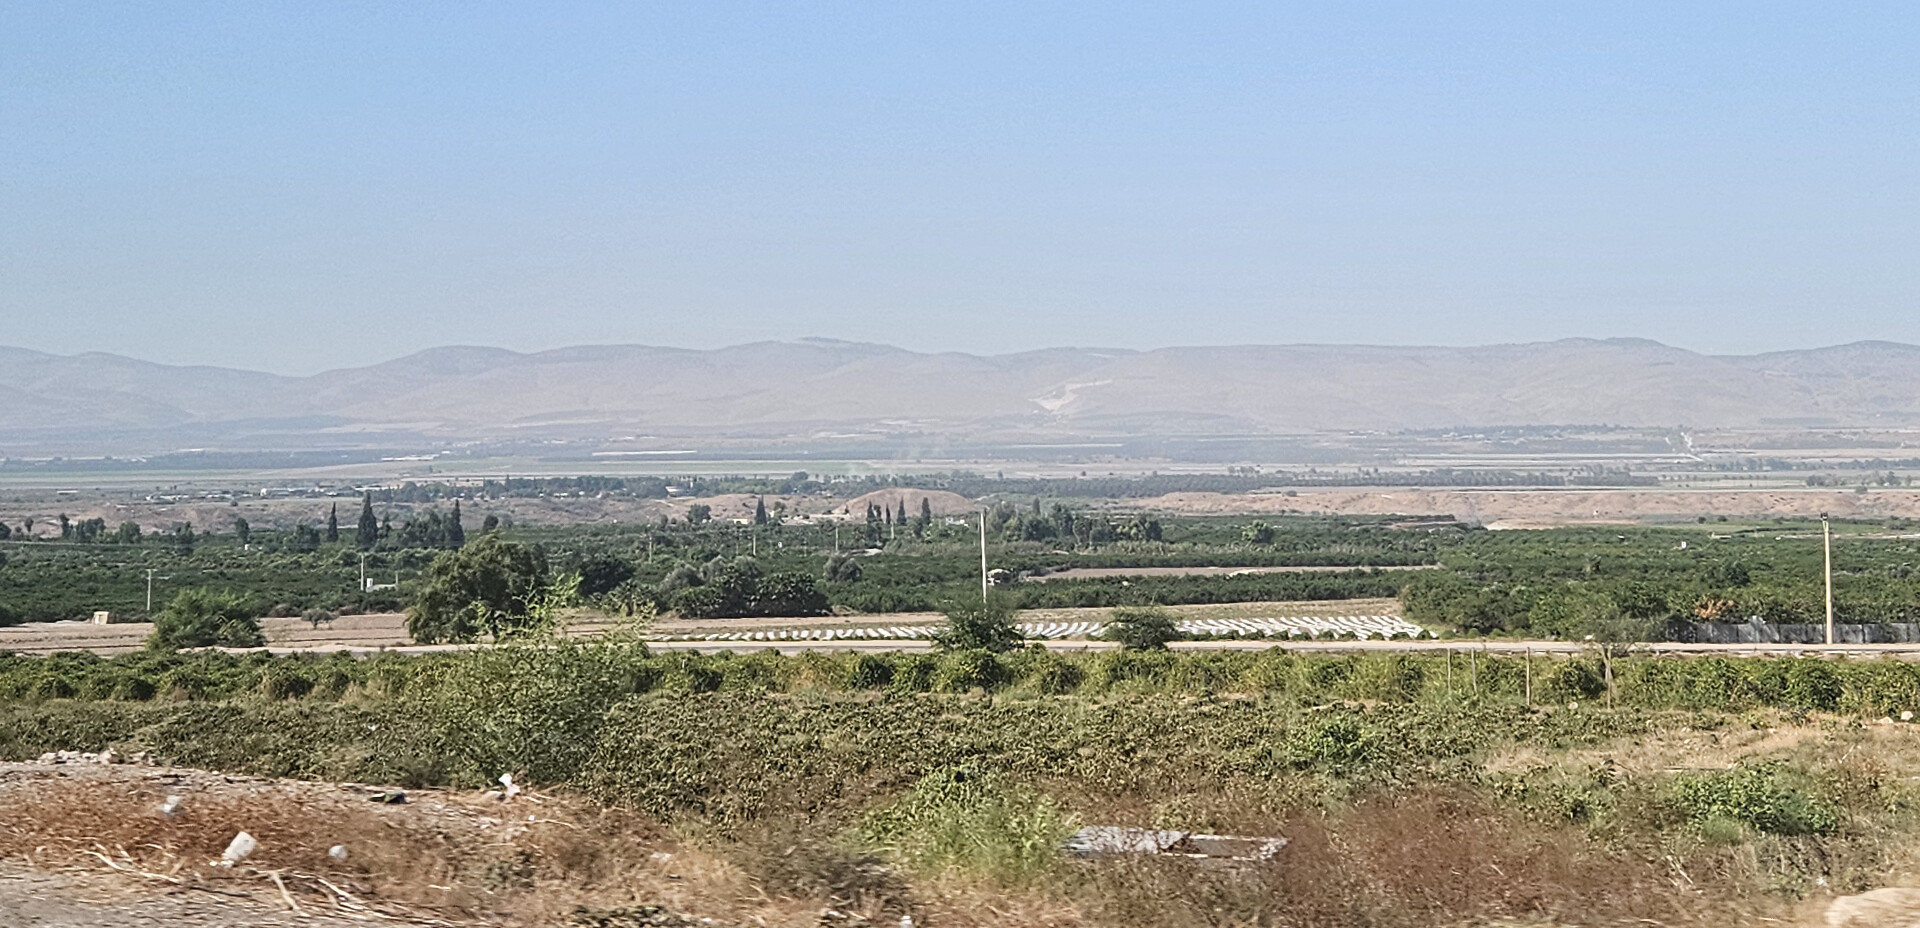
point(41, 899)
point(1539, 508)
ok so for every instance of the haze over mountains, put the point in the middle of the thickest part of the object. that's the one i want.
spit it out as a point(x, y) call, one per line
point(816, 387)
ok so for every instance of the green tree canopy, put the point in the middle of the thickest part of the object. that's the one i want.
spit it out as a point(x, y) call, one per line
point(1142, 628)
point(491, 587)
point(986, 626)
point(201, 618)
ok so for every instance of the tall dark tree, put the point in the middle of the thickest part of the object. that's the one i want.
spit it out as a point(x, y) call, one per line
point(368, 534)
point(901, 517)
point(926, 511)
point(66, 526)
point(760, 512)
point(333, 525)
point(456, 533)
point(242, 530)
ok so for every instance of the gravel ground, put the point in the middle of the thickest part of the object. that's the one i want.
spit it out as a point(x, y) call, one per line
point(39, 899)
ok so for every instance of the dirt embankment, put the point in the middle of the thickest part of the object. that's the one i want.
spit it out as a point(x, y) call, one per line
point(1539, 508)
point(142, 845)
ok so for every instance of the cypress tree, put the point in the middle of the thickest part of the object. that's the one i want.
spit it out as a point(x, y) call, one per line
point(333, 525)
point(456, 533)
point(368, 534)
point(760, 511)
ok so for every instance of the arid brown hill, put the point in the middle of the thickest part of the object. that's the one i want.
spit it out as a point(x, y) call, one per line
point(821, 387)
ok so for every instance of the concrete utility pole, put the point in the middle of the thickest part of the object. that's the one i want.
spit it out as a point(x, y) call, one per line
point(983, 555)
point(1826, 534)
point(150, 573)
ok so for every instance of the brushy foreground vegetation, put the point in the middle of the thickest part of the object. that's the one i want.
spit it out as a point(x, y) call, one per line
point(1401, 779)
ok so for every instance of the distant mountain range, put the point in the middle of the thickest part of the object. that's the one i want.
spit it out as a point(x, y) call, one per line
point(824, 387)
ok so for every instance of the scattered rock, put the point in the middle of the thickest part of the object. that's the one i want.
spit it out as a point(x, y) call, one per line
point(240, 848)
point(392, 797)
point(337, 852)
point(172, 806)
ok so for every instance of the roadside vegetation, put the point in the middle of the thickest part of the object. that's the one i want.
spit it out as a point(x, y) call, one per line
point(1463, 787)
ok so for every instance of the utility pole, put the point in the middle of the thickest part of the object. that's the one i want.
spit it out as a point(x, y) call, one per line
point(983, 555)
point(150, 573)
point(1826, 535)
point(363, 572)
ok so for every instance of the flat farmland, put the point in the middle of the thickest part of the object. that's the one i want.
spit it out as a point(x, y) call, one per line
point(388, 631)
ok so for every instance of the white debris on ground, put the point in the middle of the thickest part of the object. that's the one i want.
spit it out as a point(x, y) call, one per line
point(240, 848)
point(1362, 627)
point(108, 756)
point(1098, 840)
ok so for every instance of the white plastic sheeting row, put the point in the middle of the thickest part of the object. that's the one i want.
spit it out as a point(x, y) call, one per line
point(1346, 626)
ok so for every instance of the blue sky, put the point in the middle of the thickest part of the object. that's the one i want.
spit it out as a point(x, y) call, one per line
point(305, 186)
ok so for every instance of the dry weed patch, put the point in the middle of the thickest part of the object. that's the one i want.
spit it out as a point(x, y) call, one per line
point(455, 856)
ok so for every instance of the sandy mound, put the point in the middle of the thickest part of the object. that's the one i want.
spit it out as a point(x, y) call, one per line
point(944, 503)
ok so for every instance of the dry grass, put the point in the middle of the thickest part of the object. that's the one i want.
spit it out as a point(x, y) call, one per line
point(463, 858)
point(1430, 858)
point(1424, 857)
point(466, 859)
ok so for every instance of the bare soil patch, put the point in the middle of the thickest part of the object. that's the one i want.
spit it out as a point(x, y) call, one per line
point(1538, 508)
point(459, 858)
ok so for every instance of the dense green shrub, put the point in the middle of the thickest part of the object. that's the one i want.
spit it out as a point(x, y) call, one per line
point(1142, 628)
point(201, 618)
point(979, 625)
point(1770, 798)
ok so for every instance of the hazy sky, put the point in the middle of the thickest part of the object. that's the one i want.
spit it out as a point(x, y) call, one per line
point(311, 185)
